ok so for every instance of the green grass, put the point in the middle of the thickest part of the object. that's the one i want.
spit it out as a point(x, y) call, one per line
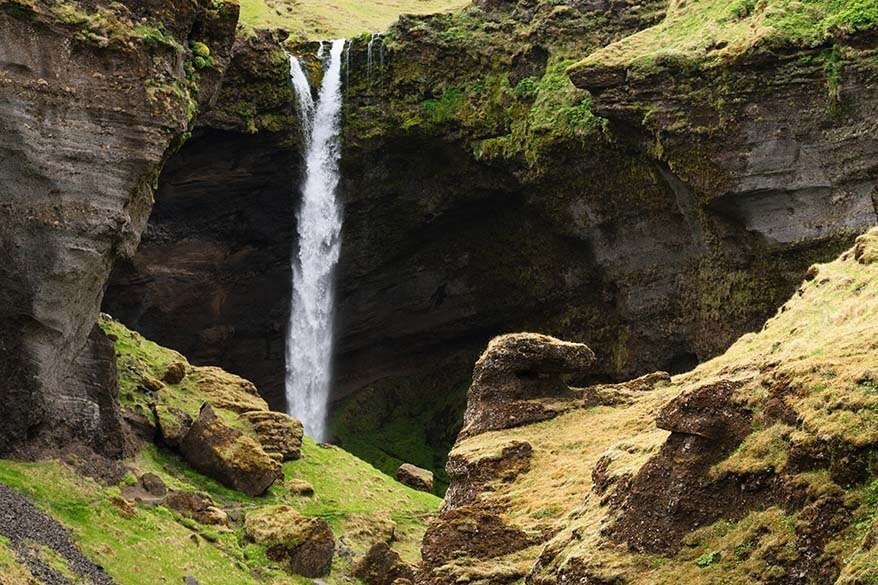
point(717, 31)
point(327, 19)
point(157, 545)
point(160, 546)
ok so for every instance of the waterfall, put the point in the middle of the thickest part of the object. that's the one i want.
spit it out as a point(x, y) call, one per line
point(310, 336)
point(370, 55)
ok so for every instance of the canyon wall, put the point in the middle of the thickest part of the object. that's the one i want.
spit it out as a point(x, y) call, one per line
point(93, 104)
point(655, 213)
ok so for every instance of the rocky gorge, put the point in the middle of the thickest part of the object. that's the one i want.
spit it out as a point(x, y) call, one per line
point(682, 216)
point(648, 180)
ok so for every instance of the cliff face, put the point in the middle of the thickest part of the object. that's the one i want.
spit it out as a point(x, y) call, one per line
point(486, 196)
point(212, 276)
point(657, 233)
point(94, 100)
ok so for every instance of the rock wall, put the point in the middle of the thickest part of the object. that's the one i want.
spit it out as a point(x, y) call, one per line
point(92, 106)
point(484, 196)
point(212, 277)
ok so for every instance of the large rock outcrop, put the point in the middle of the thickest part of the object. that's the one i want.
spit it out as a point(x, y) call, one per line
point(752, 468)
point(92, 106)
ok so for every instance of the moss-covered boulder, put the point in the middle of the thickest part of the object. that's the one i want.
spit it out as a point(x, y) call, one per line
point(226, 454)
point(305, 546)
point(278, 433)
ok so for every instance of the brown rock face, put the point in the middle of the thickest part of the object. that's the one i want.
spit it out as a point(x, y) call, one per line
point(515, 370)
point(224, 453)
point(305, 546)
point(382, 566)
point(415, 477)
point(83, 140)
point(279, 434)
point(671, 493)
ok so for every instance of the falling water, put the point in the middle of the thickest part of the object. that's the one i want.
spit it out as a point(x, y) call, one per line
point(370, 54)
point(309, 338)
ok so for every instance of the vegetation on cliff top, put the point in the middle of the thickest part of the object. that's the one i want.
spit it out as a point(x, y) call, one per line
point(320, 20)
point(714, 31)
point(139, 543)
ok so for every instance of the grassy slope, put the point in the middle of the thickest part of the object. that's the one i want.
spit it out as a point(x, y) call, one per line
point(822, 343)
point(157, 545)
point(717, 31)
point(321, 19)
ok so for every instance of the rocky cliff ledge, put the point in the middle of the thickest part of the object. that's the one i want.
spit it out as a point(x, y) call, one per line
point(756, 467)
point(95, 99)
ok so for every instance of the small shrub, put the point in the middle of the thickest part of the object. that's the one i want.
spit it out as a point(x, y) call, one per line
point(200, 49)
point(707, 559)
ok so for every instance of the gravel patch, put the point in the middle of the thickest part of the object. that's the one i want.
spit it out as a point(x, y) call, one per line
point(25, 526)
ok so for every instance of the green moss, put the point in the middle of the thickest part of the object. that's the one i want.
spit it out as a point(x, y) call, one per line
point(704, 33)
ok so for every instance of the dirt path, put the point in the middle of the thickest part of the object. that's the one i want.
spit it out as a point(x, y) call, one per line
point(28, 529)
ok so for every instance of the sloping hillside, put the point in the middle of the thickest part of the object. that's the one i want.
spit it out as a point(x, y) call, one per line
point(756, 467)
point(115, 518)
point(321, 20)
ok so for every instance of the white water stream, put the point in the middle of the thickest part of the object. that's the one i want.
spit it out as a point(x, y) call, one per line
point(309, 341)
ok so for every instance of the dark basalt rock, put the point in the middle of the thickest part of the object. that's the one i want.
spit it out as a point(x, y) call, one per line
point(83, 140)
point(212, 275)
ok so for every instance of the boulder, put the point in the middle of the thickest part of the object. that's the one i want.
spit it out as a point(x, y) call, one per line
point(150, 384)
point(153, 485)
point(227, 455)
point(278, 433)
point(514, 374)
point(198, 507)
point(368, 529)
point(304, 546)
point(415, 477)
point(228, 391)
point(172, 423)
point(175, 373)
point(299, 487)
point(383, 566)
